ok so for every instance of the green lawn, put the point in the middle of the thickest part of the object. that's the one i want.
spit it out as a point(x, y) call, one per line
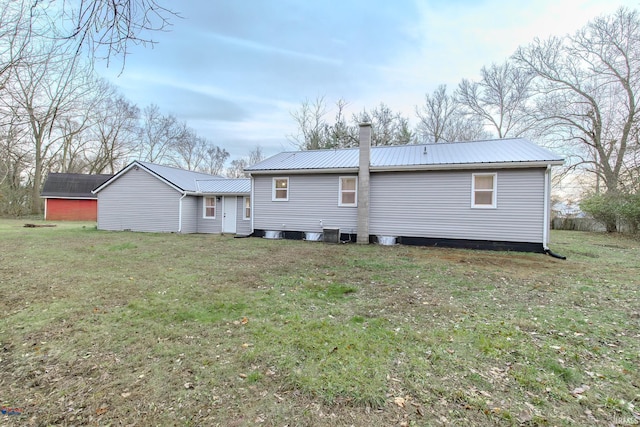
point(123, 328)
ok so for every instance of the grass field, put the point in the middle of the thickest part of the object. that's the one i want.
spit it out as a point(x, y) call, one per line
point(108, 328)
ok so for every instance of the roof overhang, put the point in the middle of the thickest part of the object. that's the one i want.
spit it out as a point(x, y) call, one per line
point(301, 171)
point(410, 168)
point(219, 193)
point(462, 166)
point(69, 197)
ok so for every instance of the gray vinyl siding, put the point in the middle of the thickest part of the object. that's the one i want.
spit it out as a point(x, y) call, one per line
point(438, 205)
point(138, 201)
point(312, 205)
point(209, 225)
point(190, 214)
point(243, 226)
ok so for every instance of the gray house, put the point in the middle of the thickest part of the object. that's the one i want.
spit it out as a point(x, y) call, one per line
point(492, 194)
point(148, 197)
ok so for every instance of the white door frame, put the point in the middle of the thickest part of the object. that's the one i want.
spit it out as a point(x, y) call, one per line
point(229, 214)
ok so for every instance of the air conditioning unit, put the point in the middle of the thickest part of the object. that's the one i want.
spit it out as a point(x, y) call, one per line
point(331, 235)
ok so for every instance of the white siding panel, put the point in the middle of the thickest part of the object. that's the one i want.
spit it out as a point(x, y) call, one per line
point(209, 225)
point(138, 201)
point(190, 214)
point(438, 205)
point(243, 226)
point(312, 205)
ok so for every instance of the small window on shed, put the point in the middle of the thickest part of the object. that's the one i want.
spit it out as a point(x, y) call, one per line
point(483, 190)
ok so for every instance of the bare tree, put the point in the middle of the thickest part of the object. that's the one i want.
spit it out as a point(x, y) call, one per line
point(587, 86)
point(14, 29)
point(41, 95)
point(115, 131)
point(159, 135)
point(499, 99)
point(340, 134)
point(236, 170)
point(441, 120)
point(104, 28)
point(15, 161)
point(190, 151)
point(387, 127)
point(215, 160)
point(311, 124)
point(255, 156)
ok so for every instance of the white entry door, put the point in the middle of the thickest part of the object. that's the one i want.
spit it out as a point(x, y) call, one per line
point(229, 213)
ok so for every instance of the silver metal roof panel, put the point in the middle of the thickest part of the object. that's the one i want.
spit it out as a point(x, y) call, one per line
point(515, 150)
point(183, 179)
point(225, 186)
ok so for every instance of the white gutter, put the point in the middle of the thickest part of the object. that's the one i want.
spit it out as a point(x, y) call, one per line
point(459, 166)
point(180, 212)
point(547, 195)
point(408, 168)
point(301, 171)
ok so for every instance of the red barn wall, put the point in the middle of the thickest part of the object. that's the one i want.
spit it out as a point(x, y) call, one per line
point(71, 210)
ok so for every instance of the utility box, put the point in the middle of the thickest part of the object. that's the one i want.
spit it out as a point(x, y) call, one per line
point(331, 235)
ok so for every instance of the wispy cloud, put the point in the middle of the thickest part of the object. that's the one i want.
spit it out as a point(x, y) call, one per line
point(253, 45)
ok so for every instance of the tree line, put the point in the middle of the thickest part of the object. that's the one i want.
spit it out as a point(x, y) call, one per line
point(57, 115)
point(576, 93)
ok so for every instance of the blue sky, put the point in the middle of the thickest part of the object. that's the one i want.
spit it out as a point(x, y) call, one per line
point(235, 70)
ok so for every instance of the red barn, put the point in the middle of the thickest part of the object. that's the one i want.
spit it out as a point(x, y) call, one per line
point(68, 197)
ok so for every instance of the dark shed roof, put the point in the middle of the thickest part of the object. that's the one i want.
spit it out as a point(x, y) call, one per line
point(72, 185)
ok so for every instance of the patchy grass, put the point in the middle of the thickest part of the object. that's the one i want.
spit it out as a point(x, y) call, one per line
point(160, 329)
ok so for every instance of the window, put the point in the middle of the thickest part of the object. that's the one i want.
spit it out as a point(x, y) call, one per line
point(483, 190)
point(247, 208)
point(347, 193)
point(280, 190)
point(209, 207)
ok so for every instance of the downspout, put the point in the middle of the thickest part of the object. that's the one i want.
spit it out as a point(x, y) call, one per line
point(251, 204)
point(180, 212)
point(546, 222)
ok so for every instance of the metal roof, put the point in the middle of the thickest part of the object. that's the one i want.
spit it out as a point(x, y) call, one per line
point(225, 186)
point(183, 179)
point(441, 155)
point(180, 179)
point(72, 185)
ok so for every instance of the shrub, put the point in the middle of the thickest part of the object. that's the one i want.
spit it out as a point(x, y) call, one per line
point(604, 208)
point(629, 210)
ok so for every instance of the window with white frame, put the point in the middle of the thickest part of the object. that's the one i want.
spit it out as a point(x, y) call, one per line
point(209, 210)
point(483, 190)
point(280, 190)
point(247, 207)
point(347, 192)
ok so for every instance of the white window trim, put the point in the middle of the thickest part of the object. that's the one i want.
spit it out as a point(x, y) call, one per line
point(350, 205)
point(273, 189)
point(244, 208)
point(204, 207)
point(494, 198)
